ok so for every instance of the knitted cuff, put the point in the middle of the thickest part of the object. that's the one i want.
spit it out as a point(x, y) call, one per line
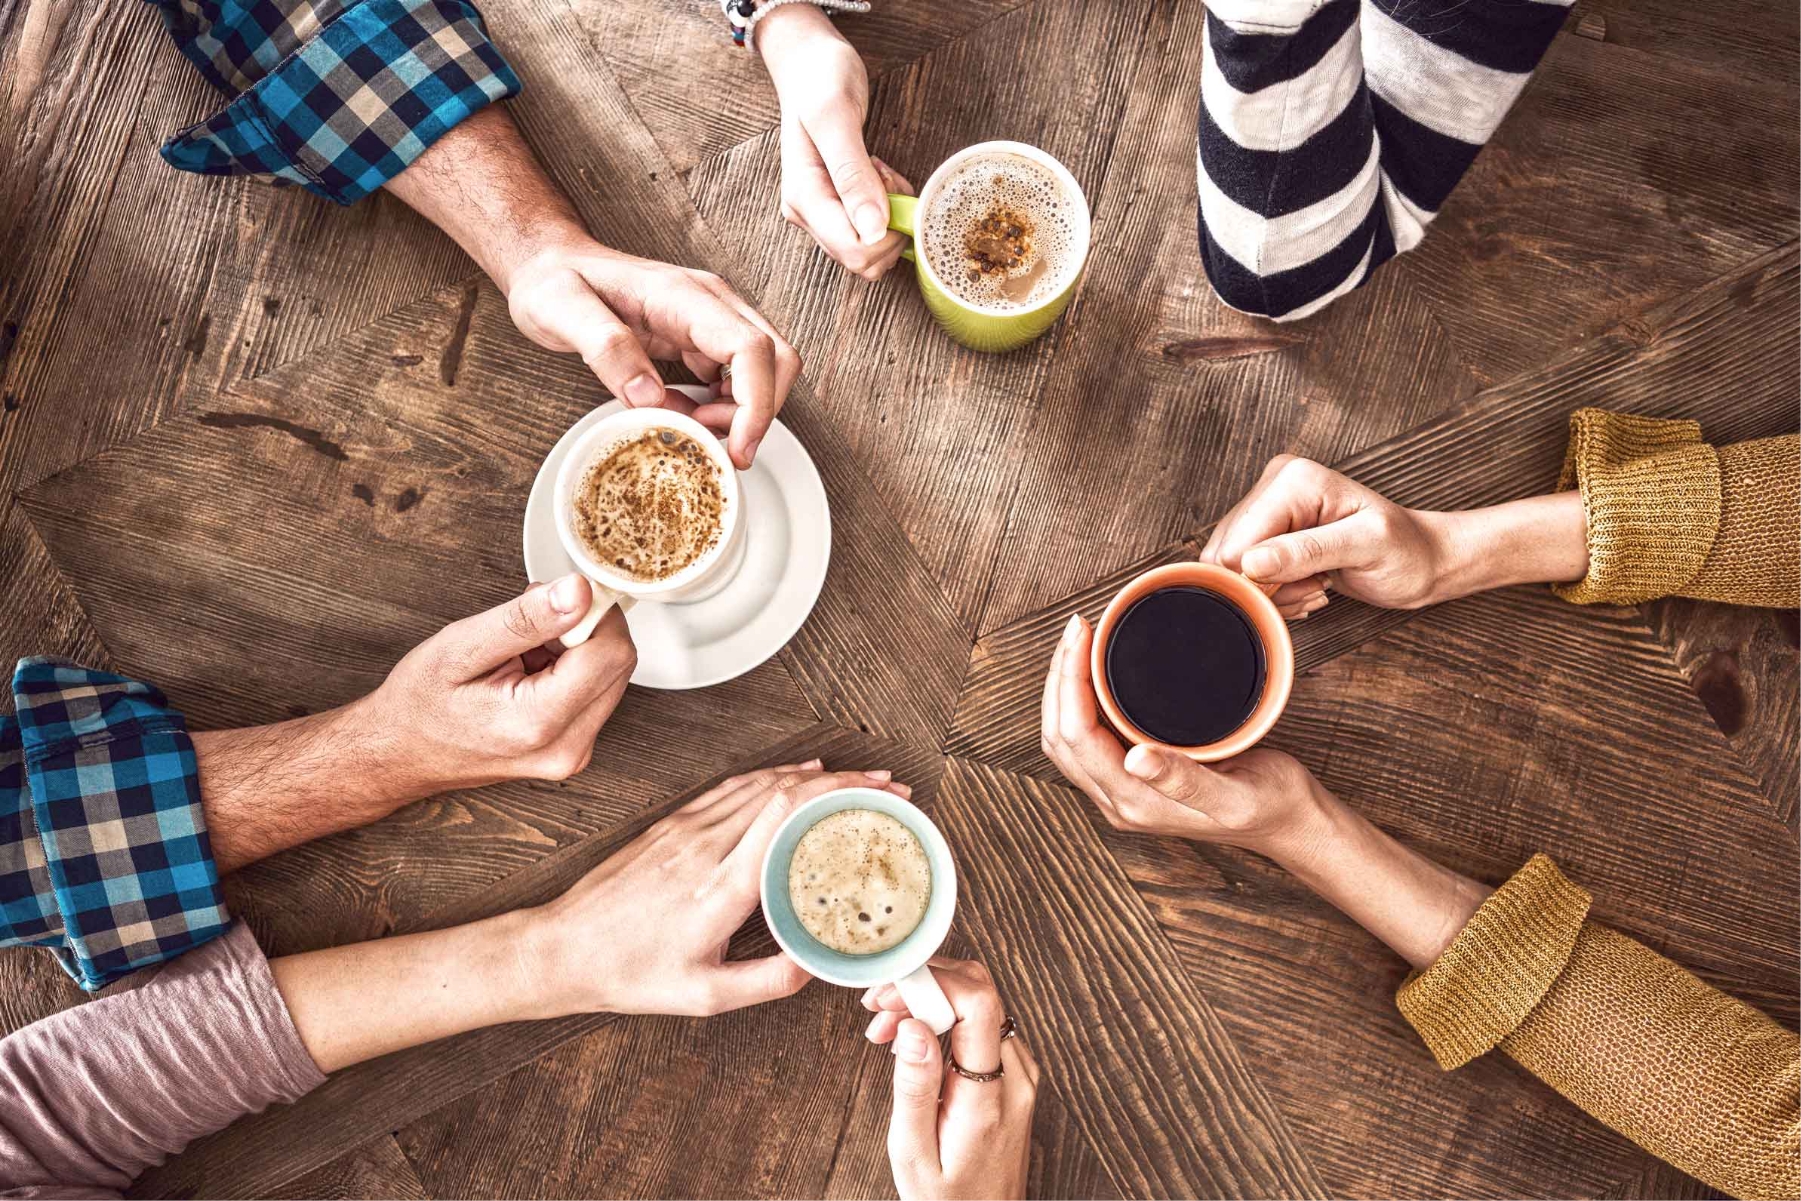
point(1756, 557)
point(1495, 971)
point(1651, 490)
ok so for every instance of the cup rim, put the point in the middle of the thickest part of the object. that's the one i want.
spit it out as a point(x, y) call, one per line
point(1024, 150)
point(1272, 631)
point(614, 428)
point(934, 928)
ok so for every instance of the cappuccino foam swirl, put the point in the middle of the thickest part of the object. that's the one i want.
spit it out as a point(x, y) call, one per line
point(1003, 184)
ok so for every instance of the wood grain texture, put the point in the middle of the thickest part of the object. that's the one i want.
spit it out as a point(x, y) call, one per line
point(1704, 356)
point(264, 1151)
point(1601, 192)
point(1136, 1050)
point(1742, 663)
point(378, 1168)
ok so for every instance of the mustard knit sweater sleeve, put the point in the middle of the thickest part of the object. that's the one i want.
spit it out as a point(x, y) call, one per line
point(1692, 1075)
point(1670, 515)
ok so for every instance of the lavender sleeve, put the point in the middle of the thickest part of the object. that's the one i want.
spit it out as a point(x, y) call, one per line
point(95, 1095)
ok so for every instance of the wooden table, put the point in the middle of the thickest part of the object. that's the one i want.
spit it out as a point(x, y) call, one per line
point(254, 447)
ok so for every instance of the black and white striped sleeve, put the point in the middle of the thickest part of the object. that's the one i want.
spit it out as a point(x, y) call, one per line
point(1332, 130)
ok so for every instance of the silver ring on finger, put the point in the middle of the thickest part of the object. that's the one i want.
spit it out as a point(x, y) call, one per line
point(725, 373)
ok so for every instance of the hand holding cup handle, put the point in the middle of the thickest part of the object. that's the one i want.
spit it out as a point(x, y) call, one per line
point(925, 999)
point(604, 599)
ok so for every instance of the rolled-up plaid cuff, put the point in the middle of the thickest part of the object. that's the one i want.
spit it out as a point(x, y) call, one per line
point(356, 103)
point(112, 793)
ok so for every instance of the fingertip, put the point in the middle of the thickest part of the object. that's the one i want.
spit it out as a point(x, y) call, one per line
point(1144, 762)
point(1260, 562)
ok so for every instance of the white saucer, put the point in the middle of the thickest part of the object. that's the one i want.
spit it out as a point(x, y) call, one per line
point(789, 545)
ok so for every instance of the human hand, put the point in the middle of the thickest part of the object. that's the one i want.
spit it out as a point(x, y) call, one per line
point(493, 697)
point(619, 312)
point(949, 1136)
point(1252, 800)
point(831, 187)
point(646, 931)
point(1307, 528)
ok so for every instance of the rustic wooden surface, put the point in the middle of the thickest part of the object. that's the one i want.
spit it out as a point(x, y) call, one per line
point(253, 447)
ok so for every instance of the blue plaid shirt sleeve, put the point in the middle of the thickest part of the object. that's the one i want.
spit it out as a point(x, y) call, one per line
point(338, 96)
point(104, 855)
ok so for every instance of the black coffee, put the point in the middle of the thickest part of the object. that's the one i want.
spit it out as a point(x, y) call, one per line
point(1185, 666)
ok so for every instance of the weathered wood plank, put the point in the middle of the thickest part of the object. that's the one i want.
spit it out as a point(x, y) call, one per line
point(1744, 666)
point(1151, 1077)
point(378, 1168)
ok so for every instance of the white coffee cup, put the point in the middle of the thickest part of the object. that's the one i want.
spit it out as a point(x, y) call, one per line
point(704, 577)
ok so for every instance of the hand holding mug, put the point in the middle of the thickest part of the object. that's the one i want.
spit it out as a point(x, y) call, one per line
point(696, 871)
point(948, 1135)
point(831, 187)
point(619, 312)
point(1304, 528)
point(1249, 800)
point(492, 697)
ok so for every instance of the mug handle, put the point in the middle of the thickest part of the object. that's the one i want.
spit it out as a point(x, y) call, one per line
point(925, 1000)
point(604, 598)
point(901, 213)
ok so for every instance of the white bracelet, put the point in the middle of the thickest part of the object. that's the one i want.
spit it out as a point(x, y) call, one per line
point(744, 14)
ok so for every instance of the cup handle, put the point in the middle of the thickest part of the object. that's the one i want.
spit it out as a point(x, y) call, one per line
point(925, 1000)
point(604, 598)
point(901, 213)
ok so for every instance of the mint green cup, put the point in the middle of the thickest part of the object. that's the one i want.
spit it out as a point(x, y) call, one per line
point(979, 328)
point(904, 964)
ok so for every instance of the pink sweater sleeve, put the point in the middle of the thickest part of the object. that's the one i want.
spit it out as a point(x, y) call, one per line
point(93, 1096)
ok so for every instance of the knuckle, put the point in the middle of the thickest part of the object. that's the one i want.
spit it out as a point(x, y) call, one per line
point(759, 343)
point(517, 618)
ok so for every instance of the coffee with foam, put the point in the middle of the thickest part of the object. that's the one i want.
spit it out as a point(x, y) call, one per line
point(650, 507)
point(1002, 233)
point(859, 881)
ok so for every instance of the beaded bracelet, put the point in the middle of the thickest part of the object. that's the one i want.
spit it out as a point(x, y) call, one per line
point(744, 14)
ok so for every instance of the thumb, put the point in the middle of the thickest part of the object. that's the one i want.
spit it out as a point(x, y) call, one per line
point(754, 981)
point(859, 184)
point(1295, 556)
point(476, 645)
point(918, 1079)
point(1176, 777)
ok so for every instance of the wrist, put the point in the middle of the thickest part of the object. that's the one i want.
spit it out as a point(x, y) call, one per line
point(389, 765)
point(785, 35)
point(1535, 540)
point(1306, 832)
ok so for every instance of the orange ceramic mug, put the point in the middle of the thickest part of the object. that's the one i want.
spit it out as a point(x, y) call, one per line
point(1248, 599)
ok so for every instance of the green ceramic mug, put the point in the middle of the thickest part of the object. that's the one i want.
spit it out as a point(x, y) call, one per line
point(980, 328)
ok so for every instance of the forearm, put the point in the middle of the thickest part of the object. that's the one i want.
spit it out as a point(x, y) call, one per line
point(481, 184)
point(370, 999)
point(268, 788)
point(1413, 905)
point(1536, 540)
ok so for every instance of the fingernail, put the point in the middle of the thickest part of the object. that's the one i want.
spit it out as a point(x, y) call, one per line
point(1074, 624)
point(904, 791)
point(566, 593)
point(1258, 562)
point(1141, 761)
point(750, 451)
point(813, 764)
point(869, 223)
point(884, 776)
point(643, 391)
point(869, 1030)
point(911, 1045)
point(868, 996)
